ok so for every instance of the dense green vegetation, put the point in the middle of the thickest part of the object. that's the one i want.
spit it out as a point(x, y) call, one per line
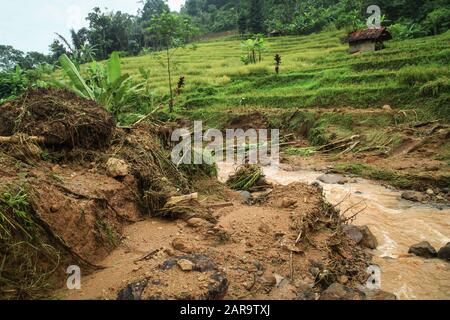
point(316, 71)
point(407, 18)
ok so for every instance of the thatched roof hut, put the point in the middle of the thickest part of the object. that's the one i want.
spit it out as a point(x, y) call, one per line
point(368, 39)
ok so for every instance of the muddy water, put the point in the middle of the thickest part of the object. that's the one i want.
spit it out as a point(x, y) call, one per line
point(396, 223)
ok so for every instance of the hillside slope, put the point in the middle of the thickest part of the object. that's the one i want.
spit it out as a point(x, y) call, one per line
point(316, 71)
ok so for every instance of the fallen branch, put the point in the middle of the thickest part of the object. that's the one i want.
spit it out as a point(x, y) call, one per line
point(22, 138)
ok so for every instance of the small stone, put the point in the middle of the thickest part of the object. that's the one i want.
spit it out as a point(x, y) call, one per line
point(116, 168)
point(185, 265)
point(182, 245)
point(387, 107)
point(430, 192)
point(444, 252)
point(268, 278)
point(287, 202)
point(196, 222)
point(343, 279)
point(279, 279)
point(413, 196)
point(379, 295)
point(245, 196)
point(423, 249)
point(332, 179)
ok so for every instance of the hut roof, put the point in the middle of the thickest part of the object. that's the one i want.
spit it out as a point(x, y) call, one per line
point(369, 34)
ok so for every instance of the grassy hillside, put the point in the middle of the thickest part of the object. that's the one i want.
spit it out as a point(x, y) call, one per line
point(316, 71)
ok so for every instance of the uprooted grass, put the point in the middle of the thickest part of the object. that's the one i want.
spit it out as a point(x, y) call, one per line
point(245, 177)
point(60, 117)
point(28, 257)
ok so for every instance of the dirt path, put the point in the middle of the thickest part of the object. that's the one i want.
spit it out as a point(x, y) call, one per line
point(254, 247)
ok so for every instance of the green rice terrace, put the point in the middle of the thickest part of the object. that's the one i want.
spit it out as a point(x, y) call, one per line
point(316, 71)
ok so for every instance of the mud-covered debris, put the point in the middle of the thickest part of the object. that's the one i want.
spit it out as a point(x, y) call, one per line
point(200, 262)
point(414, 196)
point(246, 177)
point(169, 282)
point(60, 117)
point(116, 168)
point(132, 291)
point(379, 295)
point(337, 291)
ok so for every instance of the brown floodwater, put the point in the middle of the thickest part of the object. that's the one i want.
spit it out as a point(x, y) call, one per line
point(396, 223)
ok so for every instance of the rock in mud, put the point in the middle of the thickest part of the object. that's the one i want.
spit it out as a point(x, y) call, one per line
point(305, 291)
point(444, 252)
point(182, 245)
point(413, 196)
point(245, 196)
point(197, 222)
point(217, 287)
point(379, 295)
point(199, 262)
point(332, 179)
point(361, 235)
point(339, 292)
point(116, 168)
point(423, 249)
point(185, 265)
point(133, 291)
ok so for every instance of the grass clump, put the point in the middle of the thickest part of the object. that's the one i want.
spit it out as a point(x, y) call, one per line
point(304, 152)
point(245, 177)
point(27, 259)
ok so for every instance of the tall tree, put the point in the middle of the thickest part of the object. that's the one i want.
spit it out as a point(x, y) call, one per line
point(153, 8)
point(172, 31)
point(256, 21)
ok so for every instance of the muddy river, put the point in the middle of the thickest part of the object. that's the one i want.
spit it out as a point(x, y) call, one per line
point(397, 224)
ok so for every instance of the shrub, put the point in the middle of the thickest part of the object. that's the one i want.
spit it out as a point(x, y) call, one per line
point(406, 29)
point(435, 88)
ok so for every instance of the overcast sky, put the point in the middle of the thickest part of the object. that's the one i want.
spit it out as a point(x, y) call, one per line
point(30, 25)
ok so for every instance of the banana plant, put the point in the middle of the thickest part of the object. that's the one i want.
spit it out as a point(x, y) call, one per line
point(106, 85)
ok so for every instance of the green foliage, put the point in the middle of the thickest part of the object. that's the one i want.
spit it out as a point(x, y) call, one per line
point(119, 93)
point(253, 49)
point(245, 177)
point(27, 259)
point(435, 88)
point(406, 29)
point(304, 152)
point(15, 82)
point(76, 80)
point(438, 20)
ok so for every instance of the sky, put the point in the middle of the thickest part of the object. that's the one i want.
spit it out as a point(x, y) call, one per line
point(30, 25)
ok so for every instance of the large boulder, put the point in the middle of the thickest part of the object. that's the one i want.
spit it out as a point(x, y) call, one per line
point(362, 236)
point(444, 252)
point(423, 249)
point(338, 291)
